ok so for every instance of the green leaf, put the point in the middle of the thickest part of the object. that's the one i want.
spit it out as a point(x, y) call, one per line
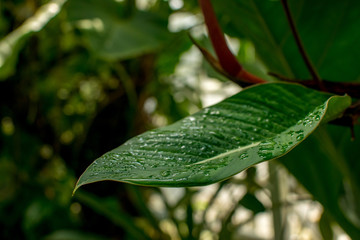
point(113, 36)
point(260, 123)
point(328, 30)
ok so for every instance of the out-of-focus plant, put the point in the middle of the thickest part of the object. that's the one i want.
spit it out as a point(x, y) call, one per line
point(62, 96)
point(79, 78)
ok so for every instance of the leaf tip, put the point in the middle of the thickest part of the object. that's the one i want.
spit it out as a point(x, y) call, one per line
point(77, 186)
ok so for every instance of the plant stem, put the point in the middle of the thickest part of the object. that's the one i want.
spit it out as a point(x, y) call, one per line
point(277, 189)
point(227, 60)
point(299, 43)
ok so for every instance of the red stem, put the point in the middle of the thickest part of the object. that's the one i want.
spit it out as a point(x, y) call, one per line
point(227, 60)
point(299, 43)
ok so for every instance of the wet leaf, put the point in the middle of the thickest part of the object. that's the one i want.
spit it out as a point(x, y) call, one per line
point(260, 123)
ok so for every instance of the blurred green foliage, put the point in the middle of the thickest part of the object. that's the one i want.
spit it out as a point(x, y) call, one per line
point(78, 78)
point(75, 80)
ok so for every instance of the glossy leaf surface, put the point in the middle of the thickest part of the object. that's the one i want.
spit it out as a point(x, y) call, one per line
point(258, 124)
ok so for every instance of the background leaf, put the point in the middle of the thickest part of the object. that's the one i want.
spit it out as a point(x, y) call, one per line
point(250, 202)
point(323, 165)
point(116, 32)
point(328, 30)
point(260, 123)
point(11, 44)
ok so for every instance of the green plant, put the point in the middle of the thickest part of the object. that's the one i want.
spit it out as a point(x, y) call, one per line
point(80, 77)
point(265, 121)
